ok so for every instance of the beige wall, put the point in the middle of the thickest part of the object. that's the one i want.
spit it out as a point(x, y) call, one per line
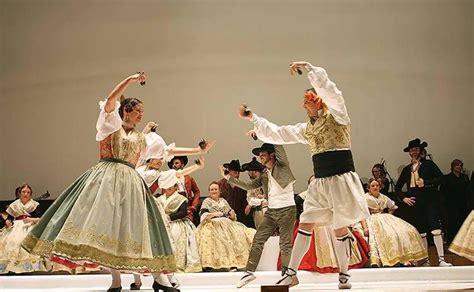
point(405, 68)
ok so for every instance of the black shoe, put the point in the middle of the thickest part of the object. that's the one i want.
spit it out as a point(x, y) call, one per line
point(157, 287)
point(134, 286)
point(118, 289)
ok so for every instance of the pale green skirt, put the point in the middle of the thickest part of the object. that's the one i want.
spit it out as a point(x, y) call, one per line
point(107, 217)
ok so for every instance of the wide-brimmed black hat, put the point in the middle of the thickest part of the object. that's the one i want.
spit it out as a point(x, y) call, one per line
point(415, 143)
point(253, 165)
point(184, 160)
point(266, 147)
point(233, 165)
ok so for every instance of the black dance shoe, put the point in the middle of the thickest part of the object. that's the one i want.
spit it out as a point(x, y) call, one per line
point(134, 286)
point(157, 287)
point(118, 289)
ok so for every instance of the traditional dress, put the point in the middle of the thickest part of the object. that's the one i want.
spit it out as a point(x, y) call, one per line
point(237, 200)
point(107, 216)
point(13, 258)
point(391, 240)
point(223, 243)
point(463, 243)
point(336, 196)
point(182, 233)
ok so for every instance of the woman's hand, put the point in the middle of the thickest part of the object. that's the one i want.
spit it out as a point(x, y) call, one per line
point(295, 66)
point(247, 210)
point(139, 77)
point(366, 232)
point(149, 127)
point(217, 214)
point(28, 220)
point(207, 147)
point(409, 201)
point(8, 223)
point(200, 162)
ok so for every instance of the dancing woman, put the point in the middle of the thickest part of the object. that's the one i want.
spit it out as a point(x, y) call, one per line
point(108, 216)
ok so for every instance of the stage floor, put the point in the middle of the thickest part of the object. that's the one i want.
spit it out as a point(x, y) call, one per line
point(384, 279)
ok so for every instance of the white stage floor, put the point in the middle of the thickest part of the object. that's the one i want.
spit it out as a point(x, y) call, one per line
point(384, 279)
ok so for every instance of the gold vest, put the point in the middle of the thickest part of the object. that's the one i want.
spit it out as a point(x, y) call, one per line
point(327, 135)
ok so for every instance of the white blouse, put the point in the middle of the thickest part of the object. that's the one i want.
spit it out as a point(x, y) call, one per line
point(107, 123)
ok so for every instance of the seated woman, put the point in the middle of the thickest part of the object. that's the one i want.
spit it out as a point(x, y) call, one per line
point(392, 241)
point(463, 243)
point(23, 213)
point(321, 256)
point(183, 244)
point(380, 174)
point(182, 230)
point(223, 242)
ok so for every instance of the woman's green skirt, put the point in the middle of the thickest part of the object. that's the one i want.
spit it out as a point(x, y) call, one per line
point(107, 217)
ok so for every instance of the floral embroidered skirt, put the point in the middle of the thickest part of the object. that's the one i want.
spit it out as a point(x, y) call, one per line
point(106, 217)
point(15, 259)
point(224, 243)
point(463, 243)
point(186, 252)
point(393, 240)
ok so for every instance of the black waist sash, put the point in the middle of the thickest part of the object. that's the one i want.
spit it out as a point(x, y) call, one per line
point(332, 163)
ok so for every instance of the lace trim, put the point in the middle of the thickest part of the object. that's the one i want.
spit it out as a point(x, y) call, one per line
point(72, 252)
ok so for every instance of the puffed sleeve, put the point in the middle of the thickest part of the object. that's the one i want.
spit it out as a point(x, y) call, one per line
point(107, 123)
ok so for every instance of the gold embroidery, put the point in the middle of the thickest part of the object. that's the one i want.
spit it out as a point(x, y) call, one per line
point(123, 146)
point(327, 135)
point(17, 208)
point(102, 241)
point(165, 263)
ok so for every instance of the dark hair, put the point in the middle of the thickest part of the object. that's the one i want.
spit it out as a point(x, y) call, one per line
point(456, 162)
point(25, 185)
point(381, 168)
point(128, 104)
point(213, 183)
point(17, 192)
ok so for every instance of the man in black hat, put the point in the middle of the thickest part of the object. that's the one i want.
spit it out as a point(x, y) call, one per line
point(187, 187)
point(235, 196)
point(277, 181)
point(256, 198)
point(422, 178)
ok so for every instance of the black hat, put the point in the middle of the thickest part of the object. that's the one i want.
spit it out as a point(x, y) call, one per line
point(233, 165)
point(415, 143)
point(423, 145)
point(253, 165)
point(184, 160)
point(270, 148)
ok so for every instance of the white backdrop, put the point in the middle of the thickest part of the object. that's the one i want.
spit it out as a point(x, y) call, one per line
point(405, 68)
